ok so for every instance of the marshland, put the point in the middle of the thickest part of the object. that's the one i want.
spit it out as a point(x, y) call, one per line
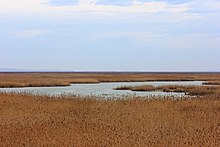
point(74, 120)
point(109, 73)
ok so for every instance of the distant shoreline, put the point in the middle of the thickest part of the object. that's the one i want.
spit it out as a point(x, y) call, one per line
point(48, 79)
point(118, 72)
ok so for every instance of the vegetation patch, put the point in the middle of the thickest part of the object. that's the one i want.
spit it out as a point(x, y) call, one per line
point(189, 90)
point(212, 83)
point(8, 80)
point(27, 120)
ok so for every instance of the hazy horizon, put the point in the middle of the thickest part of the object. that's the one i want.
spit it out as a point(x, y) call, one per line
point(107, 71)
point(104, 35)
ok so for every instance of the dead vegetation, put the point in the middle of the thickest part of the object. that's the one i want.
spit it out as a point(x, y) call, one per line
point(65, 79)
point(212, 83)
point(189, 90)
point(27, 120)
point(137, 88)
point(192, 90)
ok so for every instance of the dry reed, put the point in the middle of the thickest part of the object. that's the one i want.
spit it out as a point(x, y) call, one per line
point(27, 120)
point(65, 79)
point(212, 83)
point(190, 90)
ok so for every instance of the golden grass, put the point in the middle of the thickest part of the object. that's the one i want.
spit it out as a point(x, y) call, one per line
point(137, 88)
point(65, 79)
point(212, 83)
point(190, 90)
point(27, 120)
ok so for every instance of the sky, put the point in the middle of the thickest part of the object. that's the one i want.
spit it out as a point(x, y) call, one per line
point(110, 35)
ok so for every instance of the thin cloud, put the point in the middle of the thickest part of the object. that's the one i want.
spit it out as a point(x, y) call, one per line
point(87, 2)
point(28, 7)
point(30, 33)
point(42, 6)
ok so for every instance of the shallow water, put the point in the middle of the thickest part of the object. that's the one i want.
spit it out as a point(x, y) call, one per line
point(102, 89)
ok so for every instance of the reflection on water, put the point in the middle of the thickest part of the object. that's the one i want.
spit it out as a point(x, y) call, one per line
point(102, 89)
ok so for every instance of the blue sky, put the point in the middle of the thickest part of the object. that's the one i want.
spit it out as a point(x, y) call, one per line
point(104, 35)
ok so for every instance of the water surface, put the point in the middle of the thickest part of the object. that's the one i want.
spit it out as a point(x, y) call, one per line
point(102, 89)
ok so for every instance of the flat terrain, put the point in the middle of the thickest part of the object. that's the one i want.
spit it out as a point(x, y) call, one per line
point(65, 79)
point(27, 120)
point(38, 120)
point(189, 90)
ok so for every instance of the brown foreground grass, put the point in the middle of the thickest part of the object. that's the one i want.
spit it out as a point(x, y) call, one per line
point(65, 79)
point(190, 90)
point(27, 120)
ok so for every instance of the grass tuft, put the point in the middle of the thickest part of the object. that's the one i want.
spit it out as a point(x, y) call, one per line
point(28, 120)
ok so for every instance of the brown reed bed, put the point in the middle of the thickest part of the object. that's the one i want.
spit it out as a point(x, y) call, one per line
point(65, 79)
point(138, 88)
point(192, 90)
point(212, 83)
point(27, 120)
point(189, 90)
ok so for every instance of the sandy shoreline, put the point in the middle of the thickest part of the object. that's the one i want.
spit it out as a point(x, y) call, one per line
point(38, 120)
